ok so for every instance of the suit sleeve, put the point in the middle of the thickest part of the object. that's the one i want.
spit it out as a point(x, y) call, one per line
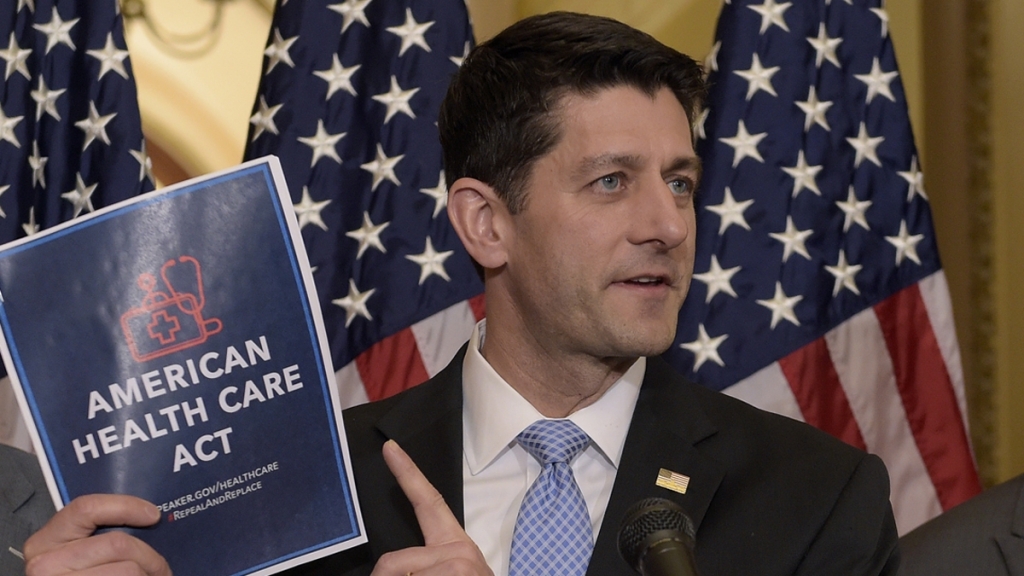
point(859, 535)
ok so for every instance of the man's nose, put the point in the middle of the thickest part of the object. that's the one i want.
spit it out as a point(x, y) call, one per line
point(660, 217)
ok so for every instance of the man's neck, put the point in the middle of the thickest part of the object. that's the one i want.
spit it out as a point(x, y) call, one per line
point(558, 385)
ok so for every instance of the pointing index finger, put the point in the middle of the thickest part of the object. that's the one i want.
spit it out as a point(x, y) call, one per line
point(438, 524)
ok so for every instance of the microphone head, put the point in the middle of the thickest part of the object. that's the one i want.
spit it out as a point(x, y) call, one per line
point(647, 518)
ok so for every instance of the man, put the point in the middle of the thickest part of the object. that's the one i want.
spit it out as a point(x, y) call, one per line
point(984, 535)
point(25, 505)
point(571, 177)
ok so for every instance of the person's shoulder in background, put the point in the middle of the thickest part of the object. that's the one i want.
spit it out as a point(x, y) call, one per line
point(984, 536)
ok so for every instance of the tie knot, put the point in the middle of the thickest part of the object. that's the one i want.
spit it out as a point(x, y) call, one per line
point(553, 441)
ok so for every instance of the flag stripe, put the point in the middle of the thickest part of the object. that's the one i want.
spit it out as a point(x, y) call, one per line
point(769, 390)
point(935, 293)
point(351, 390)
point(928, 397)
point(861, 359)
point(391, 365)
point(440, 336)
point(819, 392)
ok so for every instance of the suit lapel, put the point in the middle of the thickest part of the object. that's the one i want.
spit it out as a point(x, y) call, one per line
point(1012, 545)
point(428, 427)
point(662, 435)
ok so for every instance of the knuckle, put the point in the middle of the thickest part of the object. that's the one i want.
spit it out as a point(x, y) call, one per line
point(120, 544)
point(388, 562)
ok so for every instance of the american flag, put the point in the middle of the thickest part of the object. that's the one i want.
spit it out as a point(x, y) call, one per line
point(818, 291)
point(348, 101)
point(70, 134)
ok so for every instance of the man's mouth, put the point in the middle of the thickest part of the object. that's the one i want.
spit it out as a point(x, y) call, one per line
point(648, 281)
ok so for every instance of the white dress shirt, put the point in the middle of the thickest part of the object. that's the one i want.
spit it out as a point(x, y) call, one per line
point(497, 471)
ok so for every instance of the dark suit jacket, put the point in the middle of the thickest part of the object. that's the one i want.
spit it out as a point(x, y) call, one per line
point(982, 536)
point(769, 495)
point(25, 505)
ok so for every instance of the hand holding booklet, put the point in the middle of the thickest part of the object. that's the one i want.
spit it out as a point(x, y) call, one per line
point(171, 347)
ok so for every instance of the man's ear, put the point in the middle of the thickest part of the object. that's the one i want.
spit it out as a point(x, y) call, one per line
point(481, 220)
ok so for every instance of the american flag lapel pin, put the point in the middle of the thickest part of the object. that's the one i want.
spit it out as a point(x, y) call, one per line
point(673, 481)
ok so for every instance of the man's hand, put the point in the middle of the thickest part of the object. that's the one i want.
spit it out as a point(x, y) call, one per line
point(448, 550)
point(66, 544)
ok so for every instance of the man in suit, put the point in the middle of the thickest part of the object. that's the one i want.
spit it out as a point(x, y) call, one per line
point(25, 505)
point(571, 175)
point(984, 535)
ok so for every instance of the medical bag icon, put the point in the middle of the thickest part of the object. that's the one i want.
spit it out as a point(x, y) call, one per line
point(170, 321)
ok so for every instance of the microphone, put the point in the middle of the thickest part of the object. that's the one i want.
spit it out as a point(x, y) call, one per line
point(656, 538)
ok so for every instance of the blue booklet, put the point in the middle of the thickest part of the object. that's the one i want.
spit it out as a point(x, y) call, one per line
point(172, 347)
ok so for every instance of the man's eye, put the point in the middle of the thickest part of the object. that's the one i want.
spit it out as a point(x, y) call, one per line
point(679, 187)
point(610, 182)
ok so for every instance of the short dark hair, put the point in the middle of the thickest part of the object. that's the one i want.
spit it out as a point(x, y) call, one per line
point(498, 115)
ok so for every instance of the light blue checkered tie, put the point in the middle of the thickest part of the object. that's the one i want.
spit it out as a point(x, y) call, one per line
point(553, 533)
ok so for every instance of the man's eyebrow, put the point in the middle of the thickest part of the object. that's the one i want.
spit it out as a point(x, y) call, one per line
point(688, 164)
point(592, 164)
point(588, 166)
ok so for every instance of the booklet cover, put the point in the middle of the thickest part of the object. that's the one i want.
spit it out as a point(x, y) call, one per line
point(172, 347)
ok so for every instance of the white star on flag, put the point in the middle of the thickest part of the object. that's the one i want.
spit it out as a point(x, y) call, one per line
point(355, 303)
point(397, 100)
point(3, 189)
point(803, 175)
point(825, 47)
point(383, 168)
point(110, 58)
point(711, 60)
point(323, 144)
point(37, 163)
point(411, 33)
point(884, 17)
point(866, 146)
point(458, 60)
point(772, 14)
point(878, 81)
point(758, 77)
point(705, 348)
point(351, 11)
point(793, 240)
point(814, 111)
point(906, 244)
point(439, 193)
point(854, 210)
point(31, 227)
point(308, 211)
point(263, 119)
point(717, 279)
point(731, 212)
point(368, 235)
point(431, 261)
point(95, 126)
point(782, 306)
point(57, 31)
point(698, 124)
point(145, 162)
point(338, 77)
point(16, 57)
point(744, 144)
point(7, 124)
point(278, 51)
point(915, 179)
point(844, 273)
point(81, 196)
point(46, 100)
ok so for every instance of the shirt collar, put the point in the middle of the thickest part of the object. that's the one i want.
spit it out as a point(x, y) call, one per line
point(494, 413)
